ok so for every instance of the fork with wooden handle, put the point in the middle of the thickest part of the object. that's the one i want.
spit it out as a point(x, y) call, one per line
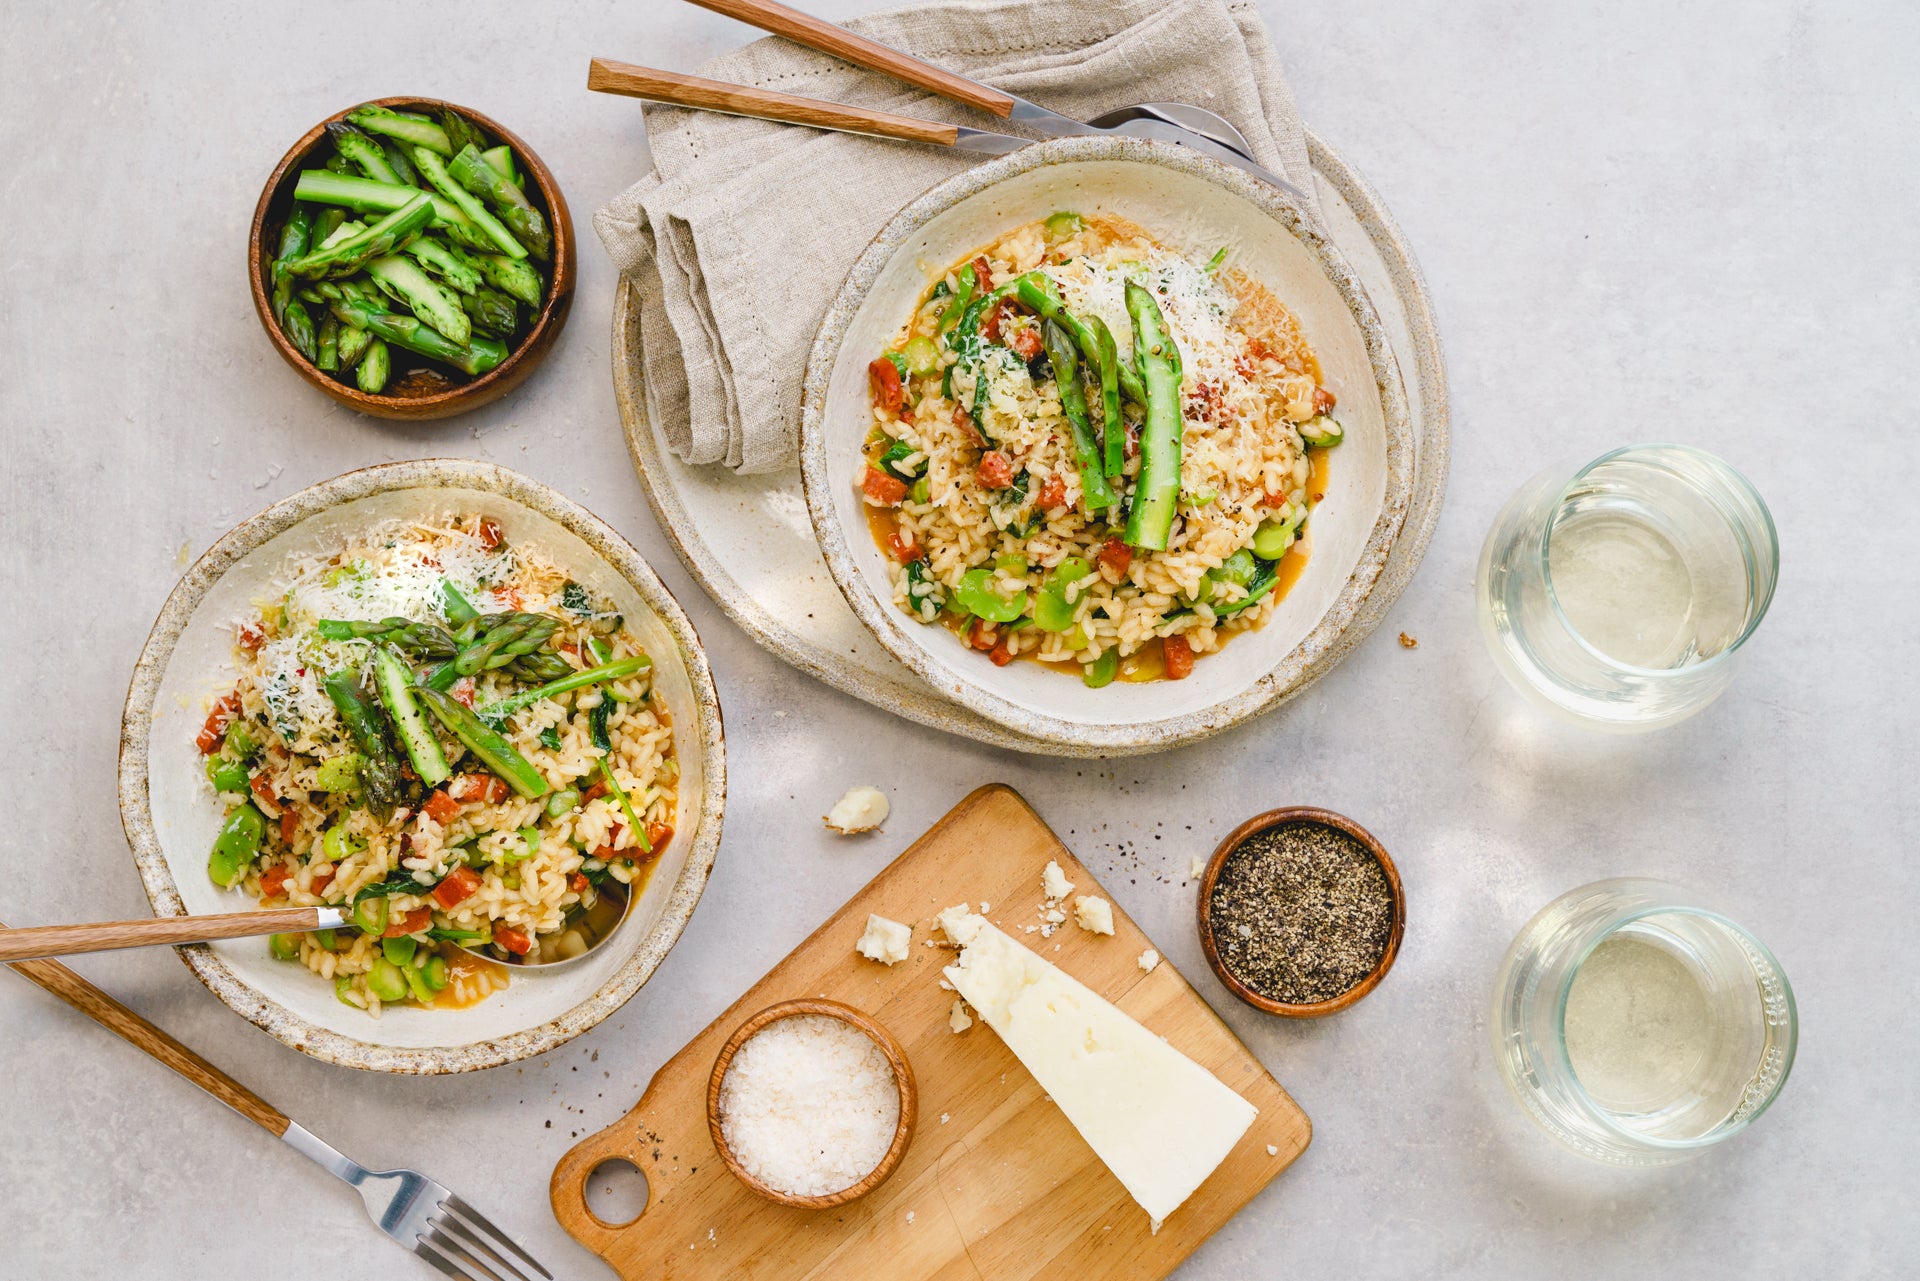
point(420, 1214)
point(33, 941)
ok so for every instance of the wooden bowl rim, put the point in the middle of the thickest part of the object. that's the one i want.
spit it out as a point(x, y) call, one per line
point(533, 345)
point(896, 1056)
point(1326, 818)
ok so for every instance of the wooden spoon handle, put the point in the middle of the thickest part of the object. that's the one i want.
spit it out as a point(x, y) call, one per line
point(815, 33)
point(115, 1017)
point(604, 76)
point(103, 936)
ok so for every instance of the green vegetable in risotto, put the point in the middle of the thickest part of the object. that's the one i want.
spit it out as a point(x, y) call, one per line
point(1106, 460)
point(347, 778)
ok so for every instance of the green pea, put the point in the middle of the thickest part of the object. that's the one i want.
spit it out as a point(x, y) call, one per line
point(240, 742)
point(1076, 638)
point(531, 835)
point(337, 845)
point(1237, 569)
point(1101, 670)
point(1271, 540)
point(1052, 610)
point(922, 491)
point(560, 802)
point(226, 774)
point(1064, 223)
point(417, 985)
point(921, 355)
point(975, 594)
point(343, 984)
point(370, 916)
point(436, 974)
point(398, 950)
point(285, 947)
point(341, 774)
point(234, 848)
point(386, 981)
point(327, 939)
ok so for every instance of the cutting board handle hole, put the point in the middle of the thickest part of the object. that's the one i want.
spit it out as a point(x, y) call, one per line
point(616, 1192)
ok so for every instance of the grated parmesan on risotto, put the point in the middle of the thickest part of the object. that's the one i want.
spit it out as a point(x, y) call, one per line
point(1015, 525)
point(503, 791)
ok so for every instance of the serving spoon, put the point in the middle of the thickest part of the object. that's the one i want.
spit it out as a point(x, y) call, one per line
point(594, 925)
point(1176, 122)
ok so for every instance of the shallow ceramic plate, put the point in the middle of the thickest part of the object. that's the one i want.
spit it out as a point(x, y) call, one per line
point(1196, 205)
point(748, 542)
point(171, 817)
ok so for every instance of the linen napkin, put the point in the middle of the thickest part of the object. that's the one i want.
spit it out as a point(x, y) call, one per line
point(745, 229)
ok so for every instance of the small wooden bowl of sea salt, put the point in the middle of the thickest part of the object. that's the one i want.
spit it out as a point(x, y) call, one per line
point(812, 1103)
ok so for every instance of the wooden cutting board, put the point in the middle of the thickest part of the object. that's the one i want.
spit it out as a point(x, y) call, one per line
point(997, 1183)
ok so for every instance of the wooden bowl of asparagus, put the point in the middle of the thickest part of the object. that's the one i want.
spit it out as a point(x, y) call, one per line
point(412, 258)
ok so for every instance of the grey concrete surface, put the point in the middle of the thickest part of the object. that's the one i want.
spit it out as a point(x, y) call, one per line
point(1640, 220)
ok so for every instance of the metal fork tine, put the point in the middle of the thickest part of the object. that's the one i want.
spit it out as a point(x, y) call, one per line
point(475, 1247)
point(478, 1222)
point(432, 1254)
point(471, 1267)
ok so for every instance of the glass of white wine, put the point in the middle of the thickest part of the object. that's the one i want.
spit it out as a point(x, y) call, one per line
point(1618, 596)
point(1638, 1025)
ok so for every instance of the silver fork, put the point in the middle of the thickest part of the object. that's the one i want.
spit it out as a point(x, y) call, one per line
point(420, 1214)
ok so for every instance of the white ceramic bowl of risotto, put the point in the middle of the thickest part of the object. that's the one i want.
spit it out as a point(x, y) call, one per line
point(1193, 206)
point(171, 816)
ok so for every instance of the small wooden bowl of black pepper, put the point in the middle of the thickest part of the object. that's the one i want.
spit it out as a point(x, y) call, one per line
point(1301, 912)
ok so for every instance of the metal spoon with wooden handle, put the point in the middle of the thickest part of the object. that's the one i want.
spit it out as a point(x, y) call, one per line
point(37, 941)
point(1176, 122)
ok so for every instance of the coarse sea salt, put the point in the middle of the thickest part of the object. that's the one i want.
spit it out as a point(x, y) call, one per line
point(809, 1105)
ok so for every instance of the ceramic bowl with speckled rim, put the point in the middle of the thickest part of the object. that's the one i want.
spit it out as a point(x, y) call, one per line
point(171, 818)
point(1195, 205)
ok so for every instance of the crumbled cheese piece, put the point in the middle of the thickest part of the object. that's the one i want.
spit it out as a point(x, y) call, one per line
point(1054, 916)
point(945, 986)
point(959, 924)
point(862, 809)
point(884, 941)
point(909, 1216)
point(1149, 959)
point(809, 1105)
point(944, 1118)
point(1272, 1150)
point(1093, 914)
point(985, 907)
point(1197, 869)
point(1054, 882)
point(958, 1020)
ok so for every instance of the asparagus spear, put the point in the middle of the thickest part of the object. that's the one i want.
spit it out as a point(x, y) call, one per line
point(328, 341)
point(518, 279)
point(477, 356)
point(353, 345)
point(379, 772)
point(1156, 493)
point(471, 170)
point(484, 742)
point(351, 227)
point(505, 641)
point(396, 154)
point(326, 223)
point(368, 196)
point(1113, 431)
point(428, 639)
point(617, 670)
point(1061, 353)
point(540, 666)
point(501, 158)
point(450, 264)
point(403, 279)
point(492, 311)
point(460, 132)
point(362, 152)
point(297, 324)
point(394, 124)
point(1038, 291)
point(395, 684)
point(348, 255)
point(371, 376)
point(434, 170)
point(295, 235)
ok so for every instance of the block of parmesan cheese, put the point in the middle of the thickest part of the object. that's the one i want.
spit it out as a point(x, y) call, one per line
point(1160, 1121)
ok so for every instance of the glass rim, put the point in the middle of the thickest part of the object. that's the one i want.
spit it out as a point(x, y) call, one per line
point(1604, 1118)
point(1741, 484)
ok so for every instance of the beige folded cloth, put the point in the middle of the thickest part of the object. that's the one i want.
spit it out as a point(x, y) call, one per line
point(744, 231)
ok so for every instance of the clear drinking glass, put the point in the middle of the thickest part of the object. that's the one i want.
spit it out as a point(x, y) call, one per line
point(1619, 596)
point(1638, 1026)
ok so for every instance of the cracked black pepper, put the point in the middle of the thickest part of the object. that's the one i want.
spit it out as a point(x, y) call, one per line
point(1301, 912)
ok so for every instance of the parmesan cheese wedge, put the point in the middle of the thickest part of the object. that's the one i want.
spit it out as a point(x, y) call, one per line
point(1160, 1121)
